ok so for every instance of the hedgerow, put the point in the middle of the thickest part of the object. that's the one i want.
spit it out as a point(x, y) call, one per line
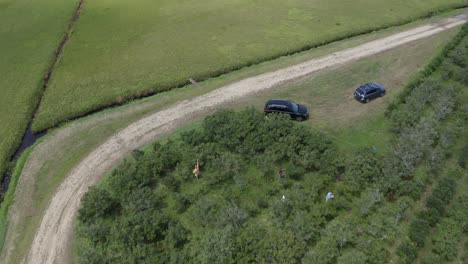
point(428, 71)
point(442, 102)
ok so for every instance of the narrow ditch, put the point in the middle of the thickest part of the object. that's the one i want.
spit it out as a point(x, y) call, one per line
point(29, 138)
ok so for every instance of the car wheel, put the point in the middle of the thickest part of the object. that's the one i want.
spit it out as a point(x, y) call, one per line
point(382, 94)
point(299, 118)
point(367, 100)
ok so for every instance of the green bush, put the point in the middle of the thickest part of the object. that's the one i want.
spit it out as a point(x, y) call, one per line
point(463, 156)
point(430, 215)
point(418, 231)
point(353, 257)
point(363, 169)
point(97, 203)
point(459, 212)
point(407, 252)
point(446, 239)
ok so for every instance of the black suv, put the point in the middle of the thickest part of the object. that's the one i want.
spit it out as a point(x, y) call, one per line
point(369, 91)
point(296, 111)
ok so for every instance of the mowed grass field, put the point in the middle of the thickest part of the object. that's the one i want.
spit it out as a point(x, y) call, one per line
point(125, 49)
point(29, 34)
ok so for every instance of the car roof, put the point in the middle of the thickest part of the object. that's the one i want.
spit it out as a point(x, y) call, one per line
point(278, 102)
point(369, 86)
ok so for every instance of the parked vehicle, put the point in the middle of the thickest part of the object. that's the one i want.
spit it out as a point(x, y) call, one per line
point(296, 111)
point(369, 91)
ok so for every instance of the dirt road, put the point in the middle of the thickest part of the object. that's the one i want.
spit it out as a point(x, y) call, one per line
point(52, 237)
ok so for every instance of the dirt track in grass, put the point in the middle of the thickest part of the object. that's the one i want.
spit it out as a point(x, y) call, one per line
point(53, 236)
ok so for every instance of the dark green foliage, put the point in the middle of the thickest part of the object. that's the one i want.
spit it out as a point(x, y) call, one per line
point(142, 227)
point(463, 157)
point(353, 257)
point(407, 252)
point(459, 212)
point(437, 204)
point(419, 230)
point(412, 188)
point(182, 202)
point(432, 259)
point(161, 213)
point(430, 215)
point(364, 169)
point(446, 239)
point(97, 203)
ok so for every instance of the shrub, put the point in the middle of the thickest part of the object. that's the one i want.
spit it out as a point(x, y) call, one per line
point(363, 169)
point(412, 188)
point(463, 157)
point(325, 252)
point(437, 204)
point(459, 212)
point(418, 231)
point(370, 198)
point(445, 190)
point(446, 239)
point(232, 216)
point(431, 259)
point(96, 203)
point(353, 257)
point(407, 252)
point(430, 215)
point(182, 202)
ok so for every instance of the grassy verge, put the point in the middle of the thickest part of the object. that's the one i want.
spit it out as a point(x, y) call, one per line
point(64, 147)
point(30, 33)
point(10, 194)
point(156, 46)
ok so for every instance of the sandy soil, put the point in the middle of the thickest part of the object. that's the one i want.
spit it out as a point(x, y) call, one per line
point(52, 238)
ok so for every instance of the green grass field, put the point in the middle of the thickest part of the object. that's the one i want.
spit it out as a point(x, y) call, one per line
point(29, 34)
point(121, 49)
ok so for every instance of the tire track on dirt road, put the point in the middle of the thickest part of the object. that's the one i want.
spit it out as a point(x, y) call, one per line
point(52, 238)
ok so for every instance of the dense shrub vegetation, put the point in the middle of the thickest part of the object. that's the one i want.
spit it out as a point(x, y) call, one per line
point(152, 208)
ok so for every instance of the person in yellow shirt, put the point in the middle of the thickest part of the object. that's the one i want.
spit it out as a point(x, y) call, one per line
point(196, 171)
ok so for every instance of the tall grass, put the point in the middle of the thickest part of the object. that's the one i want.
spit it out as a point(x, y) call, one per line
point(122, 50)
point(29, 34)
point(10, 194)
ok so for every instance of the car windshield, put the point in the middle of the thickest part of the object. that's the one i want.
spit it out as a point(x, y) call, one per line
point(294, 106)
point(360, 91)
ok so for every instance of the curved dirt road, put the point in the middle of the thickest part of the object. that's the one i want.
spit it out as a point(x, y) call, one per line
point(50, 241)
